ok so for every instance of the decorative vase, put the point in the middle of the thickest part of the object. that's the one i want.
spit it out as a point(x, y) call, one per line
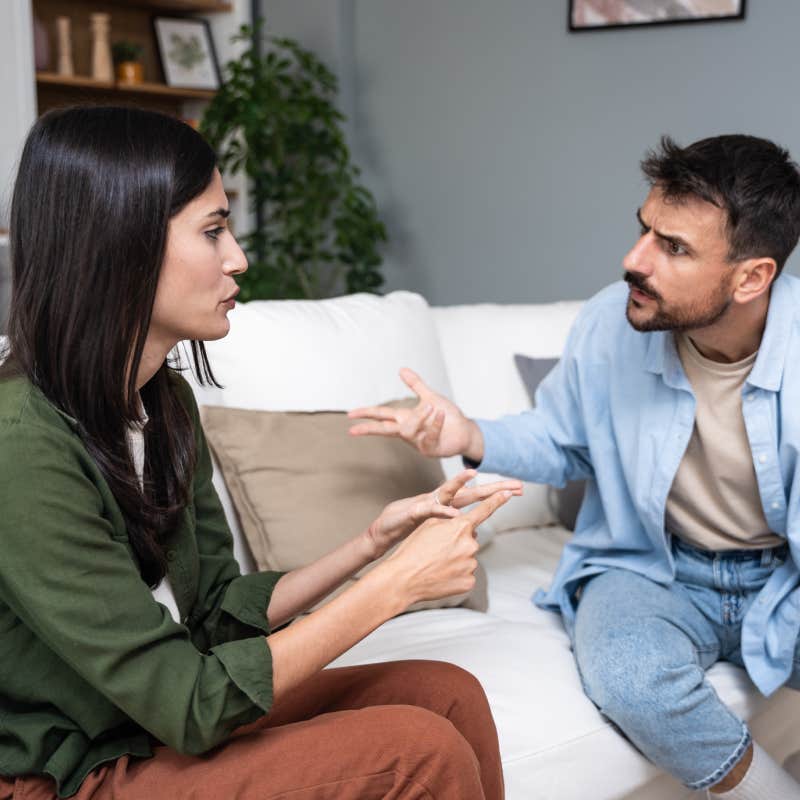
point(41, 45)
point(64, 36)
point(130, 72)
point(102, 64)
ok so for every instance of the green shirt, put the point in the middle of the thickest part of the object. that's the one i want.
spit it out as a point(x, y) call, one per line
point(91, 666)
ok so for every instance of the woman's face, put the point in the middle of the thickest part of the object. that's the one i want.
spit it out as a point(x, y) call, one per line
point(196, 285)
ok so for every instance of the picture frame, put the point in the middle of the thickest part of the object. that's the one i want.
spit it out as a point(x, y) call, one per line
point(593, 15)
point(186, 50)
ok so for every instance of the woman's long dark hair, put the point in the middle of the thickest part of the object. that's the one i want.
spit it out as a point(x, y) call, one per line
point(94, 195)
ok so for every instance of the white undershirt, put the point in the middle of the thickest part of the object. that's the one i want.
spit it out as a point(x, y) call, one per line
point(163, 592)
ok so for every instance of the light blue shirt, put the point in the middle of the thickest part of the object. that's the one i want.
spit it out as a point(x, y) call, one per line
point(619, 411)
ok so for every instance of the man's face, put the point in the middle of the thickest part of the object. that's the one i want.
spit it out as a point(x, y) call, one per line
point(678, 272)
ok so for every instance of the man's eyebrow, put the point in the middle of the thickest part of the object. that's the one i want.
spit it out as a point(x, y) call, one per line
point(667, 237)
point(220, 212)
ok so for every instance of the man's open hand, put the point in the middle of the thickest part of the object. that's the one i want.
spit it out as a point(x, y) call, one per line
point(435, 426)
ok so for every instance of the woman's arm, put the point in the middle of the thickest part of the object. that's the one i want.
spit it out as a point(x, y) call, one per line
point(436, 560)
point(300, 589)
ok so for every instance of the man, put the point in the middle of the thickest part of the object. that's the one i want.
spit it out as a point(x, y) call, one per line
point(678, 399)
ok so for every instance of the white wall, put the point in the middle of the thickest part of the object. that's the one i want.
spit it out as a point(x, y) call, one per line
point(504, 150)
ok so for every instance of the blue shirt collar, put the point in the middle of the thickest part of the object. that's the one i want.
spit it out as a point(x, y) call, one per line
point(662, 356)
point(767, 372)
point(662, 359)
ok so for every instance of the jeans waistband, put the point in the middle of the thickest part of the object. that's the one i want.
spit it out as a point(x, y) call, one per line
point(763, 556)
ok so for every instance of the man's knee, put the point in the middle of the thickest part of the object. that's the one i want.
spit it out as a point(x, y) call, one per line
point(634, 677)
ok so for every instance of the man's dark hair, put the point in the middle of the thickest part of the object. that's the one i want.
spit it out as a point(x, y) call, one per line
point(753, 180)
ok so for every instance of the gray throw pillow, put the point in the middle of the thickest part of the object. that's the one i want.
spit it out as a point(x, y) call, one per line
point(564, 503)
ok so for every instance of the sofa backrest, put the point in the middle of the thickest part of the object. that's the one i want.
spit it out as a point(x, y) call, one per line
point(324, 355)
point(479, 342)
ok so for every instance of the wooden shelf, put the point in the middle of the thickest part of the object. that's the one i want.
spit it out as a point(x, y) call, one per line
point(190, 6)
point(140, 89)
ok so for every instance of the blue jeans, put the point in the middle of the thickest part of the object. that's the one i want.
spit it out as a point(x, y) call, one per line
point(642, 650)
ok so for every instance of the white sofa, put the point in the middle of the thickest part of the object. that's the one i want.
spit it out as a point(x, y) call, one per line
point(337, 354)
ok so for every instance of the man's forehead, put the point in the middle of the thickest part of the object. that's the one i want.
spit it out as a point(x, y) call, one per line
point(689, 212)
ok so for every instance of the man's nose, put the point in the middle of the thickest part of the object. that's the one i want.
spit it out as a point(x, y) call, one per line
point(638, 258)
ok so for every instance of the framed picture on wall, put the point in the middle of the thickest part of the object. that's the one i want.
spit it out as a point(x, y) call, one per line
point(187, 53)
point(588, 15)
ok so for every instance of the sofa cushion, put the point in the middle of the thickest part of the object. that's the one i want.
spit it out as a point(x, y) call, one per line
point(323, 355)
point(301, 486)
point(564, 503)
point(478, 342)
point(554, 743)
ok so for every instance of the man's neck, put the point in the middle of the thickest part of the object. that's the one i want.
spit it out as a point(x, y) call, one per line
point(736, 335)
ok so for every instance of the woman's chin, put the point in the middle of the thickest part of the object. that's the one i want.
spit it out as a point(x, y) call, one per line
point(219, 329)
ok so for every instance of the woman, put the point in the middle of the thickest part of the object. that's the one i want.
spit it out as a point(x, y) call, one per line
point(120, 249)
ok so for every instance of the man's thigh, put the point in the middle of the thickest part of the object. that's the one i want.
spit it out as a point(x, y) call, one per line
point(626, 616)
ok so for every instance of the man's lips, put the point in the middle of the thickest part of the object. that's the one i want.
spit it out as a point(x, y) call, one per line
point(639, 295)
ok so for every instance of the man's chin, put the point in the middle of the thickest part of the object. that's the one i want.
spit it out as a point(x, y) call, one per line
point(641, 319)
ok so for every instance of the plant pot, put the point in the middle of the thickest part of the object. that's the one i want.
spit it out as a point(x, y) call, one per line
point(130, 72)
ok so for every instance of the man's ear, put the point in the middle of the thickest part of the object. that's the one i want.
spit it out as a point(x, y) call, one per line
point(753, 278)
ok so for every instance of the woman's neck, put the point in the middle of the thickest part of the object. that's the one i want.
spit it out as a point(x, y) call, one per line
point(154, 354)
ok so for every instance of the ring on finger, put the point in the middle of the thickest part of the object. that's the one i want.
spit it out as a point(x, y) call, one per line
point(437, 500)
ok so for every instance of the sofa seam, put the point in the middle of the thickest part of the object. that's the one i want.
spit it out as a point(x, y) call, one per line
point(553, 748)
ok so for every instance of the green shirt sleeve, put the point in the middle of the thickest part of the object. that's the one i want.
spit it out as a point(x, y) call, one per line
point(68, 574)
point(229, 605)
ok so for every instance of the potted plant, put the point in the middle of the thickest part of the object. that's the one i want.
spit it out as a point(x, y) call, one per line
point(317, 228)
point(127, 61)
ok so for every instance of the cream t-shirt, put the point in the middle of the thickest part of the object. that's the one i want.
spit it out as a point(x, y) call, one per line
point(163, 593)
point(714, 502)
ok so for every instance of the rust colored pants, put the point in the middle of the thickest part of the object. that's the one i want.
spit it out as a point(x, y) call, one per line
point(402, 730)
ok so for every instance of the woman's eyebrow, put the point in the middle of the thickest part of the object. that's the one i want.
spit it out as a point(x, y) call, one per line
point(220, 212)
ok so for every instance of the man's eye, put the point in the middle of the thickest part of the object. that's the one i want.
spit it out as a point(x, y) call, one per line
point(214, 233)
point(674, 249)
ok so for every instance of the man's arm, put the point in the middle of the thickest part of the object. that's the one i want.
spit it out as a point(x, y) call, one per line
point(547, 444)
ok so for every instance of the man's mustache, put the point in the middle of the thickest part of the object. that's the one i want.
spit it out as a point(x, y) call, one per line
point(638, 282)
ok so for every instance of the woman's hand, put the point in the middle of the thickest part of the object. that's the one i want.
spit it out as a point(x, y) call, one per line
point(435, 426)
point(400, 518)
point(438, 558)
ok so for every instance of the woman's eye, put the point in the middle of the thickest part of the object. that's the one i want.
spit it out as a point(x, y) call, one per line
point(214, 233)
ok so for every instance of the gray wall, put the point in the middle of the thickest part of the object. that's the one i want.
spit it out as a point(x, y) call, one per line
point(17, 112)
point(17, 93)
point(503, 150)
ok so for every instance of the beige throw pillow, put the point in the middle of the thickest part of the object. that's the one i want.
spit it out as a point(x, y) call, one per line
point(301, 485)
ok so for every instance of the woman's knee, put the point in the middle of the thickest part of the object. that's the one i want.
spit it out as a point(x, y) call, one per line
point(422, 737)
point(446, 679)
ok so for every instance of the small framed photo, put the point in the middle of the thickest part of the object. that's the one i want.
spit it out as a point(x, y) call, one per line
point(585, 15)
point(187, 53)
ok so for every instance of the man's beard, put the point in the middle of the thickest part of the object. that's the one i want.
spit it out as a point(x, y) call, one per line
point(697, 313)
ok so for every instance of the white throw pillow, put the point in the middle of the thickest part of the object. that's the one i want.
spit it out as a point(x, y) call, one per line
point(324, 355)
point(478, 343)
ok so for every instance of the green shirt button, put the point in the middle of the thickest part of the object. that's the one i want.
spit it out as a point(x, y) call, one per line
point(171, 555)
